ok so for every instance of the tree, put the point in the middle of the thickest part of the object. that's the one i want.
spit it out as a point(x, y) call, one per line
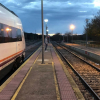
point(57, 37)
point(92, 28)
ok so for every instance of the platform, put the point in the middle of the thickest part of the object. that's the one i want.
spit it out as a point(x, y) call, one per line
point(36, 81)
point(89, 49)
point(93, 53)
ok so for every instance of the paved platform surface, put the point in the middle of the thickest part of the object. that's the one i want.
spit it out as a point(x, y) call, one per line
point(40, 83)
point(90, 49)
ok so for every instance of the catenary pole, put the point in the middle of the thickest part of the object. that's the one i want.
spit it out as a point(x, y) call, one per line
point(42, 32)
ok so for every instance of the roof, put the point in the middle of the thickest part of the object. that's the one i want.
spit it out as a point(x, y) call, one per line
point(8, 9)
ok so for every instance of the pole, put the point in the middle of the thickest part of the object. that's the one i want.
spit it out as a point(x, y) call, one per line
point(87, 20)
point(86, 40)
point(35, 31)
point(42, 32)
point(47, 32)
point(46, 29)
point(72, 36)
point(67, 38)
point(63, 37)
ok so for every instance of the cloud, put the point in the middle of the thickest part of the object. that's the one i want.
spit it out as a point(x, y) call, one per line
point(12, 1)
point(60, 13)
point(86, 16)
point(82, 11)
point(33, 5)
point(47, 4)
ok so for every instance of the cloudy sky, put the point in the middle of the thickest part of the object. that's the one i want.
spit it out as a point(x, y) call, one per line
point(60, 13)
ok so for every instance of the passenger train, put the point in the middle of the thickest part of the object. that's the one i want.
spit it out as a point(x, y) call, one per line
point(12, 41)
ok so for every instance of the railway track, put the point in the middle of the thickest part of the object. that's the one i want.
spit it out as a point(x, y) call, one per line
point(28, 53)
point(88, 60)
point(87, 73)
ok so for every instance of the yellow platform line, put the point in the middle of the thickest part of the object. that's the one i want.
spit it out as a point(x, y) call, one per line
point(72, 82)
point(20, 86)
point(56, 84)
point(55, 80)
point(15, 73)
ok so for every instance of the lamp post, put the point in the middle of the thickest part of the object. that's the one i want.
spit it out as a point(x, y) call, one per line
point(63, 36)
point(67, 38)
point(87, 22)
point(42, 32)
point(47, 32)
point(72, 27)
point(47, 35)
point(46, 20)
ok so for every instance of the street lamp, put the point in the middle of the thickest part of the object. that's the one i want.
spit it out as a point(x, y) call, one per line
point(67, 38)
point(42, 32)
point(87, 21)
point(72, 27)
point(63, 36)
point(46, 20)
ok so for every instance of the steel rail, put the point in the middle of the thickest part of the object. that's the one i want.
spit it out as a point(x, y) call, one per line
point(96, 97)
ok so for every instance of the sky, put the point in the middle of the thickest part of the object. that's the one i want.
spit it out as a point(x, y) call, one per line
point(60, 14)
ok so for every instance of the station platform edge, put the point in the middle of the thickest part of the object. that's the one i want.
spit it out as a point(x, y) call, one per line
point(89, 52)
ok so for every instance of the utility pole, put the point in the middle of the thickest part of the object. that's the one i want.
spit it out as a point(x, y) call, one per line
point(42, 32)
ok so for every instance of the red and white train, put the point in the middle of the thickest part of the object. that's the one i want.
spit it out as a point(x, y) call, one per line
point(12, 41)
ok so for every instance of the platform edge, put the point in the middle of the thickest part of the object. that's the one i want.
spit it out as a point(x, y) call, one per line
point(56, 84)
point(21, 84)
point(75, 87)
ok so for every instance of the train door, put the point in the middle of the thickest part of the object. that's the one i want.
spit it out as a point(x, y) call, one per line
point(19, 41)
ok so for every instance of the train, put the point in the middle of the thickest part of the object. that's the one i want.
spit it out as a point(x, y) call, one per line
point(12, 41)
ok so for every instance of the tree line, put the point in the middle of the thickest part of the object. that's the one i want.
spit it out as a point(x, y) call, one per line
point(67, 37)
point(32, 36)
point(92, 28)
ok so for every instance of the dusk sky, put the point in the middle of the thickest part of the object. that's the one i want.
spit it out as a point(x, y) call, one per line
point(60, 13)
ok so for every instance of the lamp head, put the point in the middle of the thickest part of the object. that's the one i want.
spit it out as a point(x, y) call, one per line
point(46, 20)
point(72, 27)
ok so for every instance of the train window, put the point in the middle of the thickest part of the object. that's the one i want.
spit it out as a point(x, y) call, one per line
point(1, 33)
point(14, 35)
point(7, 33)
point(19, 37)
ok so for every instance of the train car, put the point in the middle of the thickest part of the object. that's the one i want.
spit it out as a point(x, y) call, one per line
point(12, 41)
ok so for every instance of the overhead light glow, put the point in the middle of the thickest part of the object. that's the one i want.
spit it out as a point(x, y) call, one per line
point(46, 20)
point(72, 27)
